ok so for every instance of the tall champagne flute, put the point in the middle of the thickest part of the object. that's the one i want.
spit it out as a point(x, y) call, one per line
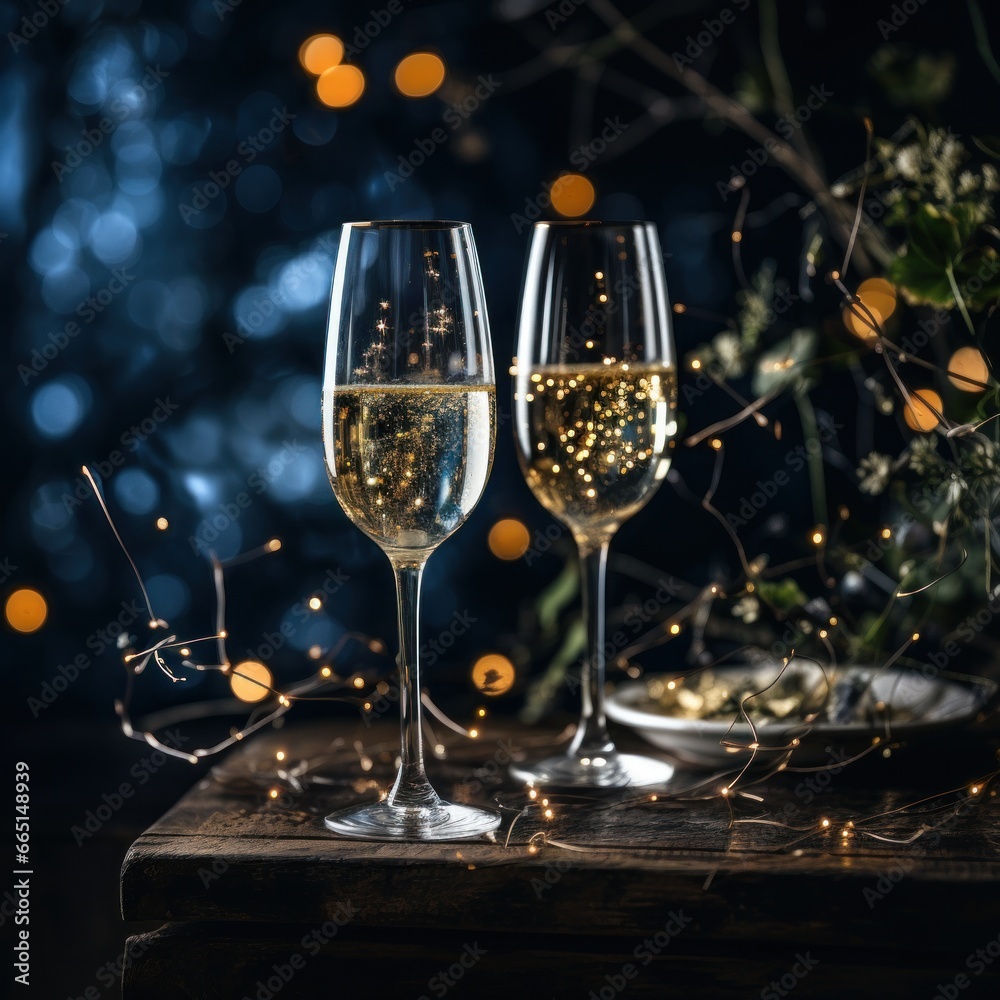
point(595, 419)
point(409, 424)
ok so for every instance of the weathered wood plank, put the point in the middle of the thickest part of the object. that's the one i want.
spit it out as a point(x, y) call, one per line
point(227, 852)
point(192, 961)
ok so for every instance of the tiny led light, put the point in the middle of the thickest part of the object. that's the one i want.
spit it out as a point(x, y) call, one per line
point(675, 629)
point(359, 682)
point(473, 733)
point(325, 671)
point(315, 603)
point(162, 523)
point(280, 755)
point(274, 793)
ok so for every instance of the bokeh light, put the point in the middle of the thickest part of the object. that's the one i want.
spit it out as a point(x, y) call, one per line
point(509, 539)
point(919, 411)
point(58, 407)
point(878, 296)
point(251, 681)
point(968, 361)
point(26, 610)
point(572, 195)
point(493, 674)
point(320, 53)
point(419, 74)
point(340, 86)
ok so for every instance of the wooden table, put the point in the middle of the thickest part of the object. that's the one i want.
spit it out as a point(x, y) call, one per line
point(257, 900)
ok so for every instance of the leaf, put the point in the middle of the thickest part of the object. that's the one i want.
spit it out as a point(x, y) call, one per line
point(977, 274)
point(781, 366)
point(933, 236)
point(921, 282)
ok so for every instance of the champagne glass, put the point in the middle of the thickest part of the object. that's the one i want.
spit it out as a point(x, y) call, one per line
point(409, 424)
point(595, 419)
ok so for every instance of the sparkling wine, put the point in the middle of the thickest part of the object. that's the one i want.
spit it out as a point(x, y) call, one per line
point(409, 462)
point(597, 441)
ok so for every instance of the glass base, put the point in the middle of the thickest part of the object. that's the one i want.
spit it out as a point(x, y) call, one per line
point(442, 821)
point(611, 770)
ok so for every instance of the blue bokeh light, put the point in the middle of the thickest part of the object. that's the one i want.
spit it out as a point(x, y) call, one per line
point(169, 595)
point(136, 491)
point(258, 188)
point(58, 407)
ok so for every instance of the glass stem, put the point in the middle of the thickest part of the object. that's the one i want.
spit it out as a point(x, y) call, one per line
point(592, 737)
point(412, 787)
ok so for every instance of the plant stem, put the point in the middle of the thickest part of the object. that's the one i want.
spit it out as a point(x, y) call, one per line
point(817, 480)
point(959, 301)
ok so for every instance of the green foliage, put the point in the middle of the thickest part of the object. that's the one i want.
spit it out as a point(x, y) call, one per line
point(782, 595)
